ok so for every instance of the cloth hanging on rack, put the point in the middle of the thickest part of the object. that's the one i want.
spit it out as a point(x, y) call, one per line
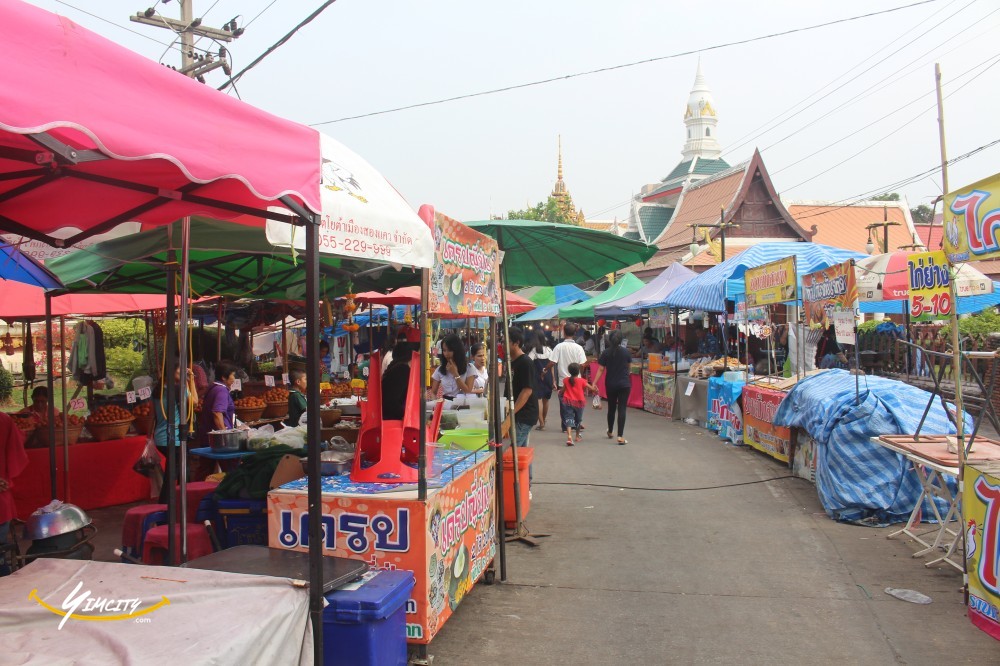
point(100, 361)
point(28, 358)
point(87, 360)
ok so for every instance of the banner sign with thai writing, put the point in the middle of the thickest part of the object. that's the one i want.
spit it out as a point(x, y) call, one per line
point(759, 431)
point(833, 289)
point(774, 282)
point(972, 220)
point(447, 542)
point(930, 285)
point(464, 280)
point(659, 317)
point(981, 510)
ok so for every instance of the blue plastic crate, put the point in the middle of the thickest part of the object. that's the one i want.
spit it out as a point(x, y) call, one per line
point(241, 522)
point(367, 626)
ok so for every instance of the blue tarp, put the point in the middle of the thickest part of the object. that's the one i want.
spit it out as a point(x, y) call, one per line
point(19, 267)
point(966, 304)
point(857, 480)
point(707, 290)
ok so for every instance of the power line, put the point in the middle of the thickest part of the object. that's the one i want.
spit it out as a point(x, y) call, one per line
point(626, 65)
point(274, 47)
point(741, 142)
point(117, 25)
point(261, 12)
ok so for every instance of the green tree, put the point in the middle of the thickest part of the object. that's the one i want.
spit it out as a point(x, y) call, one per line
point(888, 196)
point(922, 214)
point(554, 209)
point(120, 332)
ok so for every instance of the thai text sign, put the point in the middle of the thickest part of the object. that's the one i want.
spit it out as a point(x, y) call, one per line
point(759, 431)
point(447, 541)
point(464, 278)
point(972, 220)
point(774, 282)
point(833, 289)
point(981, 505)
point(930, 285)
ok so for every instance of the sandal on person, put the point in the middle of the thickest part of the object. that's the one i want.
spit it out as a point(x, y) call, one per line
point(610, 436)
point(622, 441)
point(579, 438)
point(569, 442)
point(539, 427)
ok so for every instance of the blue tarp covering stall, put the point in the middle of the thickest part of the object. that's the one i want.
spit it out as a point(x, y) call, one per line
point(859, 481)
point(544, 312)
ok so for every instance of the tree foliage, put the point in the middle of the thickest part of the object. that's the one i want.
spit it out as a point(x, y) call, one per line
point(120, 332)
point(887, 196)
point(922, 214)
point(554, 209)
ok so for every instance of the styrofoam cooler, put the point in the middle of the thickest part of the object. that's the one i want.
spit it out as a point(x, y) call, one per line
point(367, 626)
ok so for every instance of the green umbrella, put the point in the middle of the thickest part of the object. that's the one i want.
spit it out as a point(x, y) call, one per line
point(226, 259)
point(546, 253)
point(629, 284)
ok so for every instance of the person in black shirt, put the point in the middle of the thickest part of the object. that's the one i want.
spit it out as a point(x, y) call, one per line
point(396, 382)
point(615, 361)
point(829, 353)
point(522, 375)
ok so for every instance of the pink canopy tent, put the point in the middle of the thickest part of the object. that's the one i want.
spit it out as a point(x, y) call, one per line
point(20, 302)
point(92, 135)
point(411, 296)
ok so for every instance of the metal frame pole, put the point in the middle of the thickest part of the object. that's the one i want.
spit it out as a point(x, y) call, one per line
point(170, 386)
point(425, 286)
point(52, 402)
point(65, 432)
point(182, 403)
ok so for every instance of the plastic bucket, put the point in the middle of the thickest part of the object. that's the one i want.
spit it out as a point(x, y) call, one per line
point(470, 440)
point(367, 626)
point(525, 454)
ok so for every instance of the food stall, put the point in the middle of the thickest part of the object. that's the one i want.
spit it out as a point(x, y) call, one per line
point(447, 537)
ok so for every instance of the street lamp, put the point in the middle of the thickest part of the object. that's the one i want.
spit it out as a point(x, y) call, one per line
point(873, 229)
point(870, 245)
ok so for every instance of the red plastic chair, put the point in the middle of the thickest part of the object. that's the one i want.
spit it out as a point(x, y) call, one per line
point(392, 445)
point(154, 546)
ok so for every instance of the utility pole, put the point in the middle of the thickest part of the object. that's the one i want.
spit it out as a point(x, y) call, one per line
point(193, 64)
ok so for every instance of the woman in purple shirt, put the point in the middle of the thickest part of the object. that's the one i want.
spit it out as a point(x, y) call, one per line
point(218, 412)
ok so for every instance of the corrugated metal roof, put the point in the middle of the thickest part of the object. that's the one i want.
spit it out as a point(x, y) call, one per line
point(845, 225)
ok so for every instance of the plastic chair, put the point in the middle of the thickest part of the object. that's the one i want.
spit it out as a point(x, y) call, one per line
point(154, 547)
point(392, 446)
point(140, 519)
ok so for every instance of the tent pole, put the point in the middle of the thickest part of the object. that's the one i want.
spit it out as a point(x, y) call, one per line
point(170, 386)
point(52, 402)
point(497, 423)
point(182, 402)
point(425, 287)
point(315, 491)
point(218, 338)
point(65, 432)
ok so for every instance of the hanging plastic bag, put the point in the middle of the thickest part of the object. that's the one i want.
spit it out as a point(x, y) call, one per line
point(596, 402)
point(148, 465)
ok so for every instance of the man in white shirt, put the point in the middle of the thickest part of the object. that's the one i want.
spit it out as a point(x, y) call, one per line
point(565, 353)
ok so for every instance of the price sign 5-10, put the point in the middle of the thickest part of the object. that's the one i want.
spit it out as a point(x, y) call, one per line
point(936, 305)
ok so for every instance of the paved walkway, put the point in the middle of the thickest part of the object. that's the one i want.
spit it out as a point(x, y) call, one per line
point(748, 574)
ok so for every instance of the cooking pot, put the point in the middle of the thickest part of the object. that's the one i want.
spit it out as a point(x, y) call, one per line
point(229, 440)
point(55, 519)
point(332, 463)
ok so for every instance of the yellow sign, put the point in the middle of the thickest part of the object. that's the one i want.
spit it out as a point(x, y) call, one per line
point(775, 282)
point(981, 505)
point(972, 221)
point(930, 292)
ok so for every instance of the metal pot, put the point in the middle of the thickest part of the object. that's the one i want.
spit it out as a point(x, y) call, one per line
point(332, 463)
point(229, 440)
point(60, 518)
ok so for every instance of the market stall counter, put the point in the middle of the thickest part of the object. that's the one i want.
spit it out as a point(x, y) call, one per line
point(635, 398)
point(759, 406)
point(101, 475)
point(691, 399)
point(448, 541)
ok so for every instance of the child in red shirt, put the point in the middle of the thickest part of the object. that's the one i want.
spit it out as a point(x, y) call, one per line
point(574, 400)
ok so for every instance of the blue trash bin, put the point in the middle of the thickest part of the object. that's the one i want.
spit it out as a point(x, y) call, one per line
point(367, 626)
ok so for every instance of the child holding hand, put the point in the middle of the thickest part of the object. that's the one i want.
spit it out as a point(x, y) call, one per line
point(573, 401)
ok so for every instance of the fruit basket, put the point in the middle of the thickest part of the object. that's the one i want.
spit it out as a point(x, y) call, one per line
point(276, 400)
point(72, 425)
point(109, 422)
point(143, 418)
point(250, 409)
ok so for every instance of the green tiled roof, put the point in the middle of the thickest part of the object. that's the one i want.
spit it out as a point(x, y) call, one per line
point(705, 167)
point(680, 170)
point(653, 220)
point(631, 235)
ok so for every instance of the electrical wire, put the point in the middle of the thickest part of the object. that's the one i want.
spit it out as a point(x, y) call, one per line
point(110, 22)
point(610, 68)
point(659, 490)
point(274, 47)
point(250, 22)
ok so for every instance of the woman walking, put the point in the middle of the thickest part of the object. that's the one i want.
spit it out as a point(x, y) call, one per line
point(545, 377)
point(615, 361)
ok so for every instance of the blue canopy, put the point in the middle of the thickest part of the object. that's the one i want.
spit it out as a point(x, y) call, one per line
point(652, 295)
point(544, 313)
point(966, 304)
point(708, 290)
point(18, 267)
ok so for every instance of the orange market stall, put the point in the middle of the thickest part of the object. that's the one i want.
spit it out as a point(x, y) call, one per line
point(409, 504)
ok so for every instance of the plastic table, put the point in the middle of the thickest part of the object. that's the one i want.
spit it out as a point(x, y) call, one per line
point(219, 455)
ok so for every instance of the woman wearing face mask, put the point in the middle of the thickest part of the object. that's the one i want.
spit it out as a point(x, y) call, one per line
point(454, 374)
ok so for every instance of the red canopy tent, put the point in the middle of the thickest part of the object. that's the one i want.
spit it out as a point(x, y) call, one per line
point(411, 296)
point(92, 135)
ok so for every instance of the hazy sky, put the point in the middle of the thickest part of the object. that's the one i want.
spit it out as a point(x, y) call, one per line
point(620, 129)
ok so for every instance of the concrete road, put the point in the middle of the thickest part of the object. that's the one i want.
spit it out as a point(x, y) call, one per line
point(747, 574)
